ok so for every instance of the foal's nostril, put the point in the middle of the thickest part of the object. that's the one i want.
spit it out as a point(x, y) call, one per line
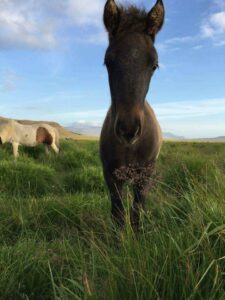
point(127, 134)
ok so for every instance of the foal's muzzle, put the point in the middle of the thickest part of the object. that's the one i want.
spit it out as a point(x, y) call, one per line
point(128, 131)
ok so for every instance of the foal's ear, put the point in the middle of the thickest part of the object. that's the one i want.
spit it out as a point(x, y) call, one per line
point(111, 17)
point(155, 18)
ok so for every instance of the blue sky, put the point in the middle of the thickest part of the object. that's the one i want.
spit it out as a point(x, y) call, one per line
point(51, 64)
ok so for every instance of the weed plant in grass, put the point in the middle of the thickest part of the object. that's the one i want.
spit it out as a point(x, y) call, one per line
point(57, 240)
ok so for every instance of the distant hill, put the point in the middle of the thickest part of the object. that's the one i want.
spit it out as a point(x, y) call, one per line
point(63, 132)
point(85, 128)
point(171, 136)
point(216, 139)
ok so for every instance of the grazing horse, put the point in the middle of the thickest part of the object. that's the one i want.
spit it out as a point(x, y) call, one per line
point(131, 136)
point(29, 135)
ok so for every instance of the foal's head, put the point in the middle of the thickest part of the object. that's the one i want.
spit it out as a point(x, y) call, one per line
point(131, 60)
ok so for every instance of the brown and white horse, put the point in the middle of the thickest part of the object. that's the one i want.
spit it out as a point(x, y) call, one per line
point(17, 134)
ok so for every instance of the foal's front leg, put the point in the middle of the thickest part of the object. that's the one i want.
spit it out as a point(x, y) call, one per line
point(115, 189)
point(138, 205)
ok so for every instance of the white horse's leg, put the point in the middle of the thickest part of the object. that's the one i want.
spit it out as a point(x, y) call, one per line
point(15, 149)
point(55, 148)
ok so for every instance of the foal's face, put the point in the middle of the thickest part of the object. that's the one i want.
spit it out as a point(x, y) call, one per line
point(131, 61)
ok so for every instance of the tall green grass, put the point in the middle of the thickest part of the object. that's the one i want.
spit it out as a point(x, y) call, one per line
point(57, 240)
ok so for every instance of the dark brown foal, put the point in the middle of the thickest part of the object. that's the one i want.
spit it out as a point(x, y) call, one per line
point(131, 136)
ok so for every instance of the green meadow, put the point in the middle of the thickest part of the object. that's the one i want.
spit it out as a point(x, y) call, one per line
point(57, 240)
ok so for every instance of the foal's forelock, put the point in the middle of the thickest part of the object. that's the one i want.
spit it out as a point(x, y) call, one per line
point(118, 19)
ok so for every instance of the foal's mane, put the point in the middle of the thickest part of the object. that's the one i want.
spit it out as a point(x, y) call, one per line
point(132, 19)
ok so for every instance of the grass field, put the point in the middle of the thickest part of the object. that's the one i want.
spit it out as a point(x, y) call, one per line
point(57, 240)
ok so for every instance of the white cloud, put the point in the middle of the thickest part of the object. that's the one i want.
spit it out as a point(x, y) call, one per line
point(86, 116)
point(174, 44)
point(200, 128)
point(198, 47)
point(213, 27)
point(182, 39)
point(24, 26)
point(38, 24)
point(42, 24)
point(97, 38)
point(85, 12)
point(193, 119)
point(181, 110)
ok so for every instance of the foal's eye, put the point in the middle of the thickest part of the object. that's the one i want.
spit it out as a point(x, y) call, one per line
point(156, 66)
